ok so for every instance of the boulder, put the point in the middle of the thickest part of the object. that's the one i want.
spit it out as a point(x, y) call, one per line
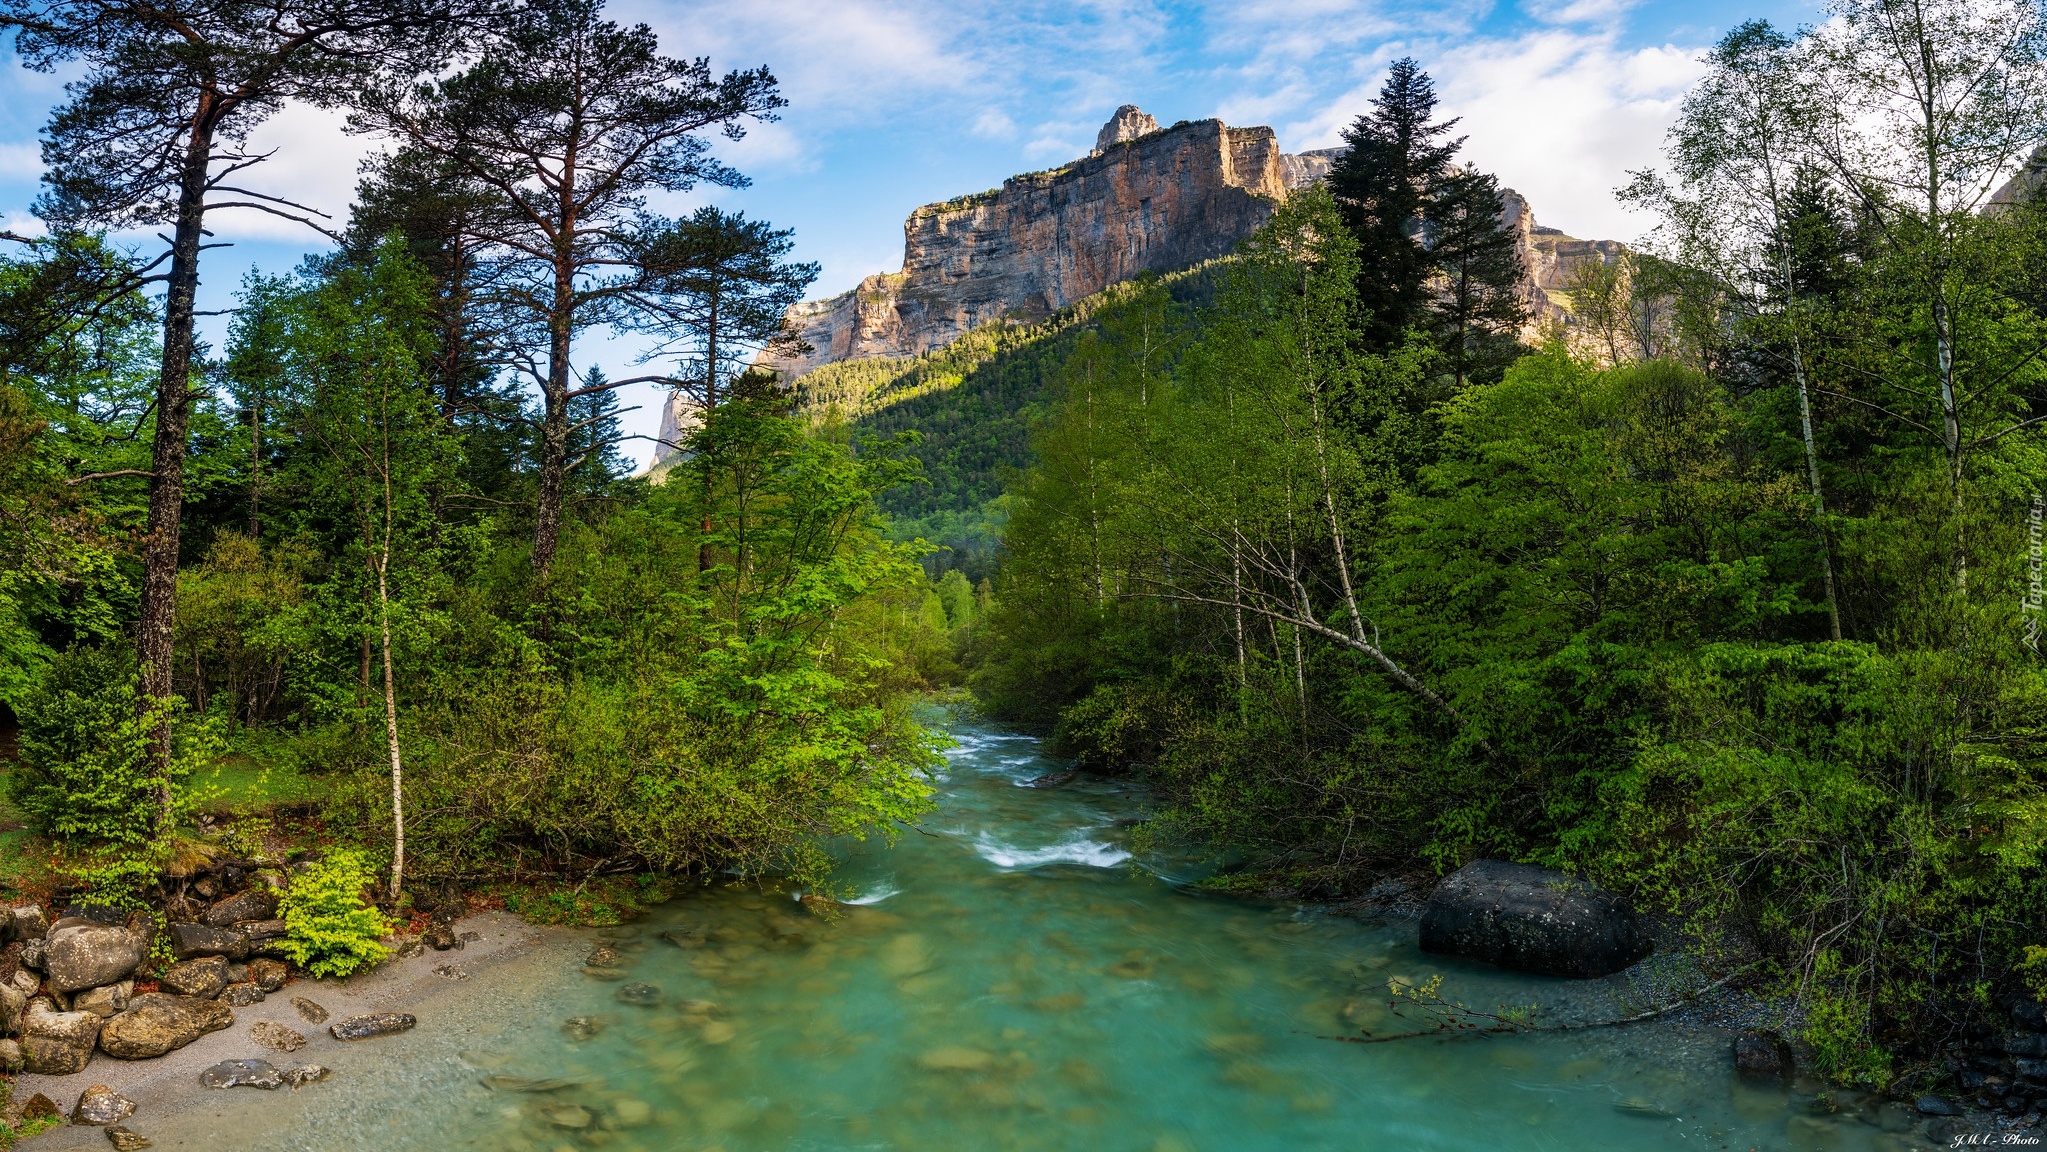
point(102, 1105)
point(266, 937)
point(241, 995)
point(234, 1073)
point(1762, 1056)
point(27, 923)
point(10, 1056)
point(156, 1023)
point(440, 936)
point(254, 904)
point(1938, 1106)
point(308, 1011)
point(203, 977)
point(1532, 920)
point(84, 954)
point(269, 975)
point(57, 1043)
point(126, 1139)
point(372, 1024)
point(193, 940)
point(104, 1001)
point(13, 1002)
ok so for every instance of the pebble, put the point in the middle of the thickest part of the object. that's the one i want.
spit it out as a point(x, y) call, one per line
point(100, 1104)
point(275, 1036)
point(126, 1139)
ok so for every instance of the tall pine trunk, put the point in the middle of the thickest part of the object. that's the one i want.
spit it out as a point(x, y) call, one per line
point(156, 631)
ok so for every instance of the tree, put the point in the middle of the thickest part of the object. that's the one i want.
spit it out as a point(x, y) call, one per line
point(1922, 106)
point(361, 343)
point(569, 120)
point(152, 135)
point(716, 287)
point(1478, 311)
point(255, 371)
point(440, 212)
point(1381, 183)
point(1741, 151)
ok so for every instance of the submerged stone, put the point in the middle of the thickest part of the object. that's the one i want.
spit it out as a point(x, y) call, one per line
point(242, 1073)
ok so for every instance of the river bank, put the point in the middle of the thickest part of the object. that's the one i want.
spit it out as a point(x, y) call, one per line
point(1005, 977)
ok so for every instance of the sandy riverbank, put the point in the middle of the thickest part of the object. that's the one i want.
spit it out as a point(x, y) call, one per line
point(176, 1112)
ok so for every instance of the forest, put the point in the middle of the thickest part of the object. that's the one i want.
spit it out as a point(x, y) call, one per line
point(372, 571)
point(1726, 593)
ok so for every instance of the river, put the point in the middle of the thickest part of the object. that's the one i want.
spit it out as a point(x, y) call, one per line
point(1011, 978)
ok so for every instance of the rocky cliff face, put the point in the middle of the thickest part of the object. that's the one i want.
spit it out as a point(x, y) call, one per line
point(1146, 200)
point(1548, 256)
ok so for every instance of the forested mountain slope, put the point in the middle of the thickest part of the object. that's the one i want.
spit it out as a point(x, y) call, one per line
point(975, 402)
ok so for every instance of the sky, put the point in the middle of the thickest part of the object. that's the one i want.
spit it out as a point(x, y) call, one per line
point(897, 103)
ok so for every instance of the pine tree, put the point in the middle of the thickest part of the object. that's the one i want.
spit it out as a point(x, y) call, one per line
point(1381, 185)
point(1478, 311)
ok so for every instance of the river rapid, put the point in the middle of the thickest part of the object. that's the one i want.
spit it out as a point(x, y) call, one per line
point(1010, 977)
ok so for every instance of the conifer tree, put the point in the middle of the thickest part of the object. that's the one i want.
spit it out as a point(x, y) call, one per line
point(155, 134)
point(1478, 309)
point(1381, 185)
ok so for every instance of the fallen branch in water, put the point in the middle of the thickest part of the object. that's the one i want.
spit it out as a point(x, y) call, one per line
point(1508, 1023)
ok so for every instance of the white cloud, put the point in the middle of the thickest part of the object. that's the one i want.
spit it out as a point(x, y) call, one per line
point(1563, 116)
point(313, 163)
point(994, 124)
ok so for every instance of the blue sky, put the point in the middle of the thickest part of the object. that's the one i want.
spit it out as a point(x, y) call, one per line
point(896, 103)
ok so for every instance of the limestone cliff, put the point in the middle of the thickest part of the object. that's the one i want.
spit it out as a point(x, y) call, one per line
point(1152, 202)
point(1145, 200)
point(1548, 256)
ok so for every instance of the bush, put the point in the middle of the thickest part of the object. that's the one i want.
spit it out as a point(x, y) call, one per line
point(85, 773)
point(330, 929)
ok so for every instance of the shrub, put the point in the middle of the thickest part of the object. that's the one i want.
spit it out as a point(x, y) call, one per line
point(85, 772)
point(330, 929)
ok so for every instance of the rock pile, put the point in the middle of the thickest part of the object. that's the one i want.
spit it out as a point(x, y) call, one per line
point(72, 991)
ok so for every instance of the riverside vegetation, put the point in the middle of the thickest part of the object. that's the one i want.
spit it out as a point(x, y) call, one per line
point(1725, 595)
point(1719, 596)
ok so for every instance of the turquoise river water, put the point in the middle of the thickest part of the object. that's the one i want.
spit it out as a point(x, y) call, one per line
point(1011, 978)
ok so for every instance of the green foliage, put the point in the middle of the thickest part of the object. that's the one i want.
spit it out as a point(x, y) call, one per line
point(975, 402)
point(329, 929)
point(86, 773)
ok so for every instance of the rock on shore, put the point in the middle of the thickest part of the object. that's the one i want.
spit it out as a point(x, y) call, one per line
point(1532, 920)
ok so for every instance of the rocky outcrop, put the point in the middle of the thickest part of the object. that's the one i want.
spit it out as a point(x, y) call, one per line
point(1548, 257)
point(1532, 920)
point(1147, 200)
point(1129, 123)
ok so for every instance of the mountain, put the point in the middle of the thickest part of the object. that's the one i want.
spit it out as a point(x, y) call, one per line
point(1147, 199)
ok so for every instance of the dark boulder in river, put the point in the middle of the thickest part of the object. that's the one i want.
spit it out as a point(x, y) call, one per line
point(1532, 920)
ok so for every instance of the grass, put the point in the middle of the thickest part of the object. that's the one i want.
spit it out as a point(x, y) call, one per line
point(239, 786)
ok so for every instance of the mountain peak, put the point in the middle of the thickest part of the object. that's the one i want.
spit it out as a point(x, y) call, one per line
point(1128, 123)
